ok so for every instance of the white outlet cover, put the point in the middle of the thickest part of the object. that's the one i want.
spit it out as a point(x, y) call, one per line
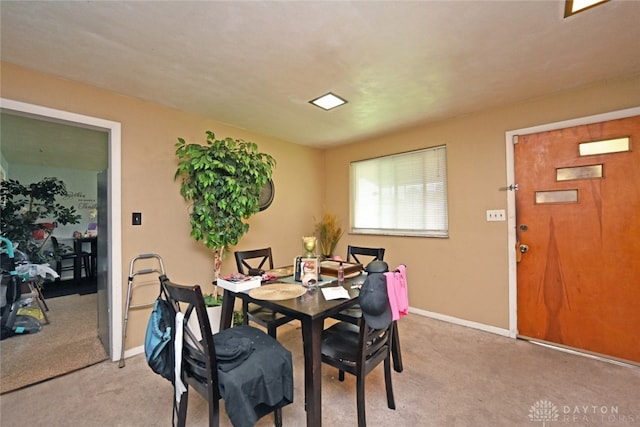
point(496, 215)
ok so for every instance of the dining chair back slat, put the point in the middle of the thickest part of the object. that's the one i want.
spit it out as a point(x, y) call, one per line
point(363, 255)
point(253, 261)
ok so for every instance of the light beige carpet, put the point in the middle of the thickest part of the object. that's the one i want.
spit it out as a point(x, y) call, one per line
point(68, 343)
point(453, 377)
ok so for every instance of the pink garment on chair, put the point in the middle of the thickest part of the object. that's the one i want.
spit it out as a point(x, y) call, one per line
point(397, 291)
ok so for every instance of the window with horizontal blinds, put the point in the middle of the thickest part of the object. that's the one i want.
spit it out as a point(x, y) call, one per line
point(401, 194)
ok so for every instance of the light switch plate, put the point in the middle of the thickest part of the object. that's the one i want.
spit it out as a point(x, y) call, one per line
point(136, 218)
point(496, 215)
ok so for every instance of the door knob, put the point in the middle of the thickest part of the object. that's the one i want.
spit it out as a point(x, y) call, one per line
point(523, 249)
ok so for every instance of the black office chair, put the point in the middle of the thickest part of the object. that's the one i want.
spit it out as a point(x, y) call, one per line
point(61, 255)
point(250, 370)
point(253, 262)
point(358, 350)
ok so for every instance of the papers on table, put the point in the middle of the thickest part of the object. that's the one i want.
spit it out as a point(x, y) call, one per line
point(335, 292)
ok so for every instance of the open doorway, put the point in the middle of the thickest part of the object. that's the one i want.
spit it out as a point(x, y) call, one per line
point(109, 276)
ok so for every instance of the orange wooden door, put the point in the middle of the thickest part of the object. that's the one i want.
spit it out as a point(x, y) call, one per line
point(579, 279)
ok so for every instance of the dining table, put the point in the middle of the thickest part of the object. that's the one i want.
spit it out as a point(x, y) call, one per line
point(311, 309)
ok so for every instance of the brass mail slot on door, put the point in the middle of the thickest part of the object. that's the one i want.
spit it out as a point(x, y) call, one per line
point(559, 196)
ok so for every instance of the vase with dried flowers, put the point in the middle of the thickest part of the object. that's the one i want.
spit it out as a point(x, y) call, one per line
point(328, 231)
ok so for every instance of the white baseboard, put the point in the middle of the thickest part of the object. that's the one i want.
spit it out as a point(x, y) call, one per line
point(129, 353)
point(462, 322)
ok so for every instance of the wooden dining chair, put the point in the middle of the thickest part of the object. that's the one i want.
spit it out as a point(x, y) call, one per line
point(357, 350)
point(62, 256)
point(365, 255)
point(250, 370)
point(255, 262)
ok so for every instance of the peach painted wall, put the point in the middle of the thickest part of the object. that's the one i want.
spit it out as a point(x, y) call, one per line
point(466, 275)
point(148, 161)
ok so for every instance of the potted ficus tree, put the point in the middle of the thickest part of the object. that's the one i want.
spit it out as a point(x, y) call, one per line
point(221, 181)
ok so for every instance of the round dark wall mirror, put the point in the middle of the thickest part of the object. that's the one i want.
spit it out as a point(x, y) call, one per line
point(266, 195)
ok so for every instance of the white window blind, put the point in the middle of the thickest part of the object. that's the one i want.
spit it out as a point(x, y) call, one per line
point(401, 194)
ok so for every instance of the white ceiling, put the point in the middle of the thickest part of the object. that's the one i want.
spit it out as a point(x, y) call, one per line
point(256, 64)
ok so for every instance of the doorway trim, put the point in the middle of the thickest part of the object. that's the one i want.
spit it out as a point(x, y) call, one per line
point(115, 218)
point(511, 138)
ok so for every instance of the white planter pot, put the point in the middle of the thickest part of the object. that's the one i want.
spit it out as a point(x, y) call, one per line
point(215, 313)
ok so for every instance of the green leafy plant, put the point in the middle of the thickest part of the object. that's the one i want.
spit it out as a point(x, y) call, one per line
point(237, 318)
point(328, 231)
point(211, 300)
point(32, 207)
point(222, 181)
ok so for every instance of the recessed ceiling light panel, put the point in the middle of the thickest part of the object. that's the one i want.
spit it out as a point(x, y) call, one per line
point(575, 6)
point(328, 101)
